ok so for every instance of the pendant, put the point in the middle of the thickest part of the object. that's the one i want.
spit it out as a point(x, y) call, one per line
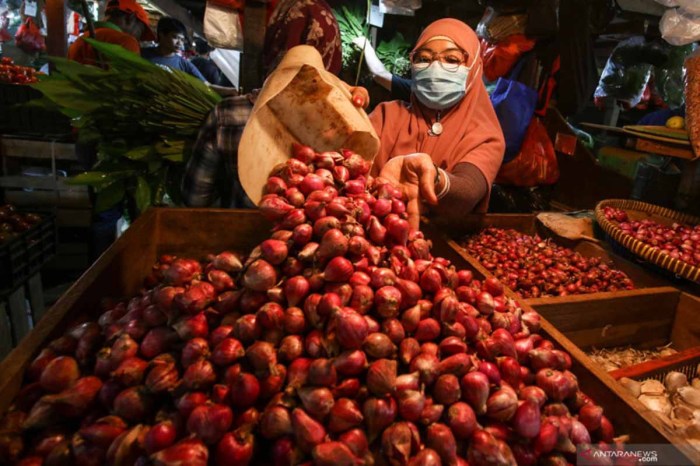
point(436, 129)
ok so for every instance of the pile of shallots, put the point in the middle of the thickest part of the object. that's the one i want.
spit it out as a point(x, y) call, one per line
point(676, 402)
point(679, 241)
point(533, 267)
point(340, 340)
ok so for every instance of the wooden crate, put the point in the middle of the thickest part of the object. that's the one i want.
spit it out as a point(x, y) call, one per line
point(195, 232)
point(528, 224)
point(645, 319)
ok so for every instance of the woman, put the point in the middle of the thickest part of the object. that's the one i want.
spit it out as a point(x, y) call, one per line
point(445, 145)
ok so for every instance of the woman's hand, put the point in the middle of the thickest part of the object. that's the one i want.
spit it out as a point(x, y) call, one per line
point(414, 174)
point(360, 96)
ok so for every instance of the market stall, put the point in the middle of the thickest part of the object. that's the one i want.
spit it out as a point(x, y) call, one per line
point(332, 324)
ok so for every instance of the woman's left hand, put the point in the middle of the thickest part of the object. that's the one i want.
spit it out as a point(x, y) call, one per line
point(414, 174)
point(360, 95)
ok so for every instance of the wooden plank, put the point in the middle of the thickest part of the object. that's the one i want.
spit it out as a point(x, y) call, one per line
point(57, 40)
point(81, 218)
point(36, 297)
point(253, 43)
point(5, 331)
point(646, 145)
point(18, 314)
point(38, 182)
point(69, 199)
point(11, 147)
point(686, 327)
point(603, 319)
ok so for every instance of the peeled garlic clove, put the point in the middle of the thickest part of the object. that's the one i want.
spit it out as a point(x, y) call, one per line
point(634, 387)
point(653, 388)
point(682, 413)
point(675, 380)
point(690, 395)
point(658, 404)
point(667, 352)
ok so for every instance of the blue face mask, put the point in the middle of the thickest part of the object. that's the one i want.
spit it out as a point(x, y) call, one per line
point(437, 88)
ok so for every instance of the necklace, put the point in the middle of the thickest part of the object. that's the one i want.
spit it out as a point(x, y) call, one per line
point(436, 128)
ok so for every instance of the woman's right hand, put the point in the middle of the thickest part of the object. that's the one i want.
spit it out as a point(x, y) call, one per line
point(414, 175)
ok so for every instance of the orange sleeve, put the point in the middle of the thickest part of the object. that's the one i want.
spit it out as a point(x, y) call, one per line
point(82, 52)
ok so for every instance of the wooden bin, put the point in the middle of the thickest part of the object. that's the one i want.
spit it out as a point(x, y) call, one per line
point(645, 319)
point(528, 224)
point(195, 232)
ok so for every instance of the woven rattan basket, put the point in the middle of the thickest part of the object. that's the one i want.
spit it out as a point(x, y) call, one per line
point(637, 210)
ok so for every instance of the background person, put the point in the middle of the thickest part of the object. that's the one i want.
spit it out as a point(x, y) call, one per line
point(125, 24)
point(172, 37)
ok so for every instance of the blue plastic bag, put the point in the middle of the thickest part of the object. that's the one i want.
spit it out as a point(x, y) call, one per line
point(515, 104)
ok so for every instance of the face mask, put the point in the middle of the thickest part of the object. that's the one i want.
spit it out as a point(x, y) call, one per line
point(437, 88)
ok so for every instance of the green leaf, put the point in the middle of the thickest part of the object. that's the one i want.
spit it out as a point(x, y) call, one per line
point(109, 196)
point(92, 178)
point(139, 153)
point(143, 194)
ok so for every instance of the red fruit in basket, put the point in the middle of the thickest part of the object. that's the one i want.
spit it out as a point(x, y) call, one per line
point(235, 448)
point(37, 366)
point(157, 341)
point(227, 352)
point(590, 416)
point(187, 452)
point(133, 404)
point(59, 374)
point(275, 422)
point(260, 276)
point(334, 453)
point(194, 350)
point(308, 432)
point(160, 436)
point(210, 422)
point(195, 298)
point(199, 375)
point(245, 389)
point(162, 377)
point(182, 272)
point(192, 326)
point(130, 372)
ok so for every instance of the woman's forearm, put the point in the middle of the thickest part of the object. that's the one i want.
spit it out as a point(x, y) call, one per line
point(467, 187)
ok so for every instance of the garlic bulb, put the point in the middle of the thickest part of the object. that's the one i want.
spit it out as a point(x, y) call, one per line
point(634, 387)
point(682, 413)
point(675, 380)
point(690, 395)
point(695, 383)
point(653, 388)
point(658, 404)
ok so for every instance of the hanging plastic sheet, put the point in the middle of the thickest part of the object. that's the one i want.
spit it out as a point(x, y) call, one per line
point(400, 7)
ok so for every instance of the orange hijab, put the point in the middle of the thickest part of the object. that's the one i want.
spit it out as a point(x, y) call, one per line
point(471, 132)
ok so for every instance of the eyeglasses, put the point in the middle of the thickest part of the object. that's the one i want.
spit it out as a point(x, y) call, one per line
point(450, 60)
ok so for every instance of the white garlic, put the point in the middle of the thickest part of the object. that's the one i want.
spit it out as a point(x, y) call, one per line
point(695, 383)
point(675, 380)
point(658, 404)
point(634, 387)
point(690, 395)
point(682, 412)
point(653, 387)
